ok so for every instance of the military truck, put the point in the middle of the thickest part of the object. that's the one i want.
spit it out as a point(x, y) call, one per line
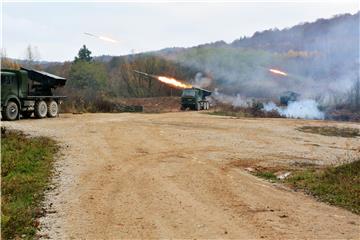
point(28, 91)
point(195, 98)
point(288, 96)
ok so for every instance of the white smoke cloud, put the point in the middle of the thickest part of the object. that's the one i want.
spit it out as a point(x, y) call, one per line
point(235, 101)
point(201, 81)
point(306, 109)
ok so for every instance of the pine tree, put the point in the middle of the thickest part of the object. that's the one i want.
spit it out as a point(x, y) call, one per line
point(84, 55)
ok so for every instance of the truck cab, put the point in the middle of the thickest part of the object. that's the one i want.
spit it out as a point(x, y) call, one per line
point(195, 98)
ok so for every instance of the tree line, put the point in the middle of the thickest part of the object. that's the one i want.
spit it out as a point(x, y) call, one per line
point(90, 82)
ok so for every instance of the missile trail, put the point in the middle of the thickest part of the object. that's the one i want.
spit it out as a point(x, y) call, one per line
point(107, 39)
point(276, 71)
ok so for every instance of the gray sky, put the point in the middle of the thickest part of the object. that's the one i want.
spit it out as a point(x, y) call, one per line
point(57, 29)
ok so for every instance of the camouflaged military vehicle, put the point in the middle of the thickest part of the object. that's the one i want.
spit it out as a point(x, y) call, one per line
point(28, 91)
point(287, 97)
point(195, 98)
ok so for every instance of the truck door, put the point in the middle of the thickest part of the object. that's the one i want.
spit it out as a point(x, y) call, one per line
point(9, 85)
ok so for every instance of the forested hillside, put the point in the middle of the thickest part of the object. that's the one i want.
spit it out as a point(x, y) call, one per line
point(319, 57)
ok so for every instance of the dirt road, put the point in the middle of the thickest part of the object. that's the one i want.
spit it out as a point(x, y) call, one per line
point(180, 175)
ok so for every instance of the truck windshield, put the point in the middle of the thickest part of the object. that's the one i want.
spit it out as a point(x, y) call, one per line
point(188, 93)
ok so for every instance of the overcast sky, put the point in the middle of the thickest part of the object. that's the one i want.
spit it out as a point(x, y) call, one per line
point(57, 29)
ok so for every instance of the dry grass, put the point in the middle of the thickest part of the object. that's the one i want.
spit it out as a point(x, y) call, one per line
point(331, 131)
point(255, 110)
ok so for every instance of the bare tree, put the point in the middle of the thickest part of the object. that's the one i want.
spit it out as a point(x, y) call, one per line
point(357, 94)
point(31, 55)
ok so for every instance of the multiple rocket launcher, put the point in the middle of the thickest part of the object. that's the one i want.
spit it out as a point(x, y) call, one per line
point(170, 81)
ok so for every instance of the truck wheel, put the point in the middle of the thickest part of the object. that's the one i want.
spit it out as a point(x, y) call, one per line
point(53, 109)
point(197, 106)
point(40, 109)
point(11, 111)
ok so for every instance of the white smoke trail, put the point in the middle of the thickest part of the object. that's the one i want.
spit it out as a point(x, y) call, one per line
point(104, 38)
point(107, 39)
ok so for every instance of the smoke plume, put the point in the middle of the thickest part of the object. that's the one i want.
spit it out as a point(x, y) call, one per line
point(306, 109)
point(235, 101)
point(201, 81)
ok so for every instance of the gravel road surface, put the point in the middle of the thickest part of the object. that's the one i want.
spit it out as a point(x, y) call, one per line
point(181, 175)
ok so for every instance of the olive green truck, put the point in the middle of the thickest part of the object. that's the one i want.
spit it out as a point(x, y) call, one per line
point(27, 91)
point(195, 98)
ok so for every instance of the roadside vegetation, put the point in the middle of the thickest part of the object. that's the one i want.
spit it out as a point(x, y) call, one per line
point(336, 185)
point(331, 131)
point(267, 175)
point(26, 168)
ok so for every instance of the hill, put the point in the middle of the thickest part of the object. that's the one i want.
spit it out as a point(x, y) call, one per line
point(322, 56)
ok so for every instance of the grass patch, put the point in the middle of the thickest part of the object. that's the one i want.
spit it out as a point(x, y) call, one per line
point(331, 131)
point(25, 171)
point(338, 186)
point(266, 175)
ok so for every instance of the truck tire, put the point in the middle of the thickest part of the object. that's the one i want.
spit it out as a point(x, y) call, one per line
point(53, 109)
point(11, 111)
point(40, 109)
point(197, 106)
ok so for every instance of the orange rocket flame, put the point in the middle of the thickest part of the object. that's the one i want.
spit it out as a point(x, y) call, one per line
point(173, 82)
point(278, 72)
